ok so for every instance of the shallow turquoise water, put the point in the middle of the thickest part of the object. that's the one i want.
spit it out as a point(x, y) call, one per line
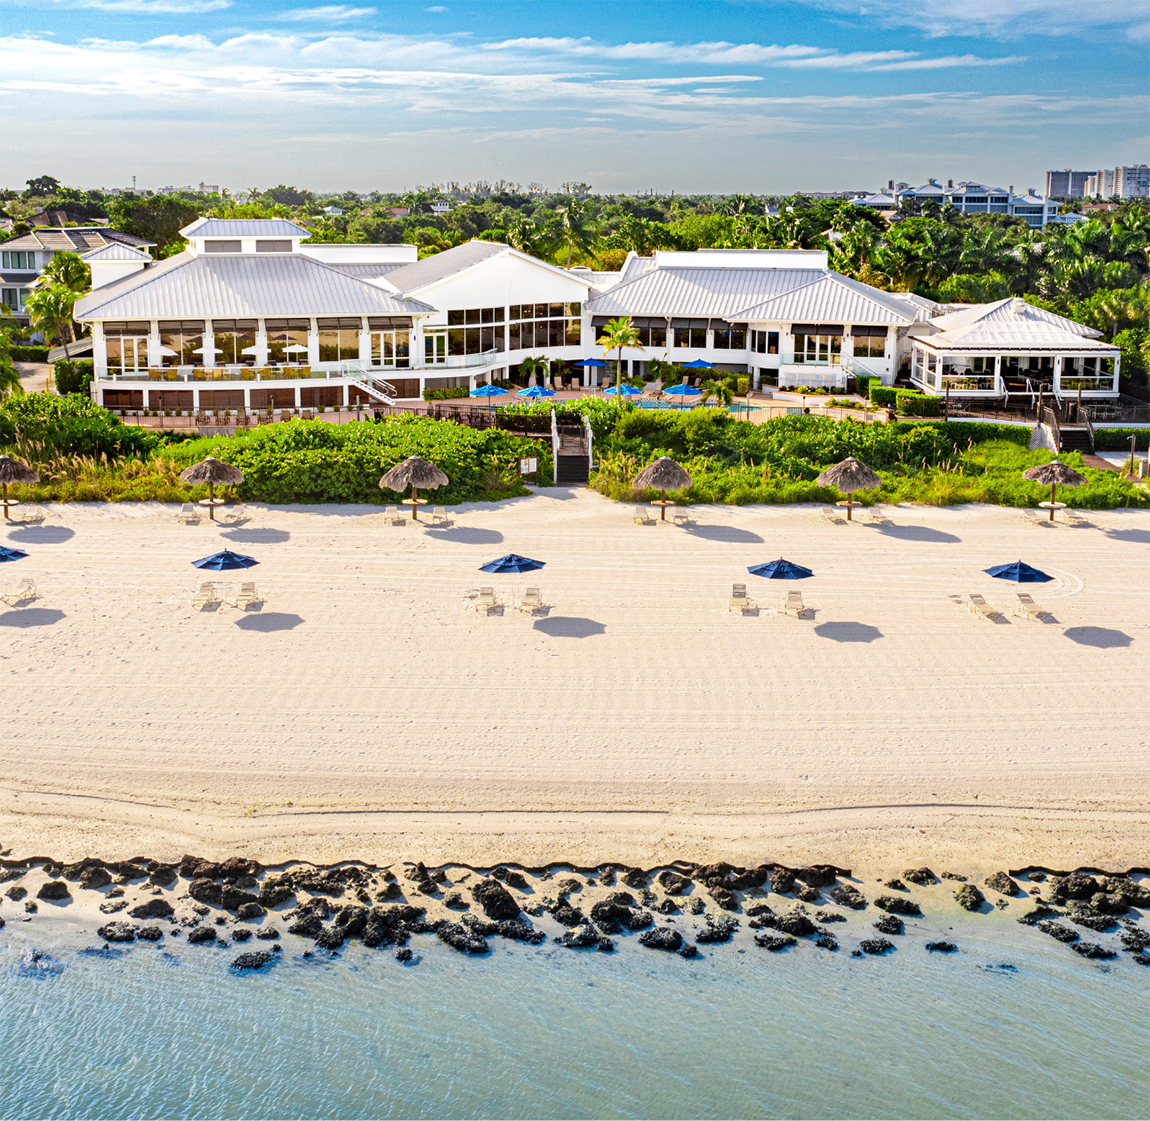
point(548, 1032)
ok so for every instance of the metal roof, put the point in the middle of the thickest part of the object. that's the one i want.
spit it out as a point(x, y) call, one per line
point(74, 239)
point(117, 252)
point(244, 227)
point(1013, 311)
point(23, 278)
point(831, 299)
point(194, 287)
point(366, 272)
point(1011, 324)
point(439, 266)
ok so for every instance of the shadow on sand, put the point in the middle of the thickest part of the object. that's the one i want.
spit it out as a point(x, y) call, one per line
point(466, 535)
point(848, 632)
point(725, 533)
point(564, 626)
point(42, 534)
point(31, 617)
point(255, 536)
point(269, 621)
point(1100, 637)
point(918, 533)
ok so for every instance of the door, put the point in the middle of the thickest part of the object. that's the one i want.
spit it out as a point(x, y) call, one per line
point(390, 348)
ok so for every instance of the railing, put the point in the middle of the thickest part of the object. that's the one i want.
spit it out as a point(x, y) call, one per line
point(1049, 417)
point(980, 383)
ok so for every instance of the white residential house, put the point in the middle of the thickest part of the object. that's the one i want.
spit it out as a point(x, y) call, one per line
point(979, 198)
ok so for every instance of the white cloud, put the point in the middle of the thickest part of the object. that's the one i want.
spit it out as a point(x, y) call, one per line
point(144, 7)
point(436, 8)
point(328, 13)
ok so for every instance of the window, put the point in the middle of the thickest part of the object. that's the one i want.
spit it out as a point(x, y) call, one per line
point(223, 246)
point(539, 325)
point(232, 338)
point(181, 342)
point(474, 330)
point(279, 246)
point(817, 343)
point(17, 259)
point(869, 342)
point(728, 337)
point(389, 340)
point(287, 339)
point(339, 339)
point(435, 347)
point(765, 342)
point(690, 333)
point(10, 297)
point(126, 352)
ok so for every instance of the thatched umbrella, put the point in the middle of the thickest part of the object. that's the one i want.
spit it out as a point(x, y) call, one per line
point(847, 477)
point(416, 473)
point(1054, 474)
point(665, 474)
point(212, 471)
point(13, 471)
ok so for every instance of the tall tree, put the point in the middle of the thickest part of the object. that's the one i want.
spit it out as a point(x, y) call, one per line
point(50, 310)
point(68, 270)
point(576, 226)
point(9, 376)
point(159, 219)
point(616, 335)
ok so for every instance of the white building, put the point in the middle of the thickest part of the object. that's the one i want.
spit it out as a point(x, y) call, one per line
point(973, 198)
point(1125, 182)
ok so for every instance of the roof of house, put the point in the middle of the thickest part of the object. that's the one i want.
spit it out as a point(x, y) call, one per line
point(16, 278)
point(244, 227)
point(194, 287)
point(833, 298)
point(366, 271)
point(74, 239)
point(1011, 324)
point(883, 198)
point(115, 251)
point(439, 266)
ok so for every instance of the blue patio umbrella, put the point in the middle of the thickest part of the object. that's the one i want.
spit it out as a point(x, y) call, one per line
point(622, 391)
point(780, 570)
point(225, 561)
point(1019, 572)
point(487, 391)
point(593, 362)
point(7, 554)
point(699, 364)
point(683, 390)
point(513, 562)
point(536, 391)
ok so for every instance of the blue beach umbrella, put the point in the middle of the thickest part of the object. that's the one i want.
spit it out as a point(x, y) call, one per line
point(683, 390)
point(536, 391)
point(622, 391)
point(225, 561)
point(593, 362)
point(699, 364)
point(7, 554)
point(488, 391)
point(1019, 572)
point(780, 570)
point(513, 562)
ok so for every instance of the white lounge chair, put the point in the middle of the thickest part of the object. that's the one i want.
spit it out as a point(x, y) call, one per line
point(644, 517)
point(877, 517)
point(794, 604)
point(207, 596)
point(188, 514)
point(247, 595)
point(234, 513)
point(1027, 608)
point(486, 600)
point(739, 601)
point(392, 515)
point(681, 517)
point(30, 515)
point(980, 607)
point(1074, 518)
point(22, 593)
point(830, 514)
point(439, 516)
point(532, 601)
point(1035, 517)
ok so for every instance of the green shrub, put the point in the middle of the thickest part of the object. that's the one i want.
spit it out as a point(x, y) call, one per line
point(42, 425)
point(863, 382)
point(451, 393)
point(1118, 439)
point(742, 386)
point(73, 375)
point(30, 353)
point(912, 403)
point(881, 395)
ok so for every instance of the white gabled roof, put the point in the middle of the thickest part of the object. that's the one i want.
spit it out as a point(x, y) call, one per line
point(833, 299)
point(116, 252)
point(1011, 324)
point(431, 270)
point(244, 227)
point(241, 286)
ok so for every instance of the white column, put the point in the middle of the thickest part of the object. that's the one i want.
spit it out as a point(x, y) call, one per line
point(100, 350)
point(208, 356)
point(261, 343)
point(364, 344)
point(155, 358)
point(1117, 364)
point(1058, 375)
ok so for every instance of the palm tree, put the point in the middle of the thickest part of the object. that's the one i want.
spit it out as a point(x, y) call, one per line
point(530, 235)
point(50, 310)
point(9, 376)
point(69, 270)
point(533, 367)
point(617, 334)
point(577, 227)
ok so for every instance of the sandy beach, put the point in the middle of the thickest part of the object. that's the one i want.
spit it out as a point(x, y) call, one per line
point(367, 711)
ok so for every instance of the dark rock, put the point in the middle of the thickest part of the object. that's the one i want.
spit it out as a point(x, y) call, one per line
point(428, 887)
point(856, 953)
point(829, 916)
point(89, 866)
point(275, 890)
point(719, 928)
point(567, 915)
point(782, 881)
point(54, 890)
point(112, 906)
point(456, 902)
point(1134, 939)
point(672, 883)
point(1106, 904)
point(269, 933)
point(826, 942)
point(392, 891)
point(460, 937)
point(635, 878)
point(149, 933)
point(757, 909)
point(1082, 914)
point(647, 898)
point(1036, 877)
point(889, 924)
point(899, 906)
point(497, 902)
point(795, 923)
point(689, 951)
point(518, 881)
point(1037, 915)
point(242, 933)
point(579, 938)
point(16, 893)
point(876, 945)
point(774, 943)
point(30, 907)
point(416, 873)
point(920, 876)
point(204, 890)
point(668, 907)
point(717, 873)
point(118, 932)
point(1131, 893)
point(605, 946)
point(808, 894)
point(232, 899)
point(846, 895)
point(95, 877)
point(404, 955)
point(202, 934)
point(969, 897)
point(201, 909)
point(162, 875)
point(308, 925)
point(330, 938)
point(205, 870)
point(896, 885)
point(153, 909)
point(1058, 931)
point(1093, 950)
point(613, 914)
point(252, 960)
point(695, 905)
point(1002, 883)
point(661, 938)
point(817, 875)
point(249, 911)
point(941, 947)
point(724, 897)
point(607, 876)
point(568, 885)
point(1143, 958)
point(953, 876)
point(1077, 885)
point(517, 930)
point(748, 879)
point(351, 919)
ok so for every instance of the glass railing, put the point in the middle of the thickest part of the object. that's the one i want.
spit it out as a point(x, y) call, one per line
point(1103, 382)
point(981, 383)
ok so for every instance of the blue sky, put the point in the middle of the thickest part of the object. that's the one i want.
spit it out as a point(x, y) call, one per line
point(727, 95)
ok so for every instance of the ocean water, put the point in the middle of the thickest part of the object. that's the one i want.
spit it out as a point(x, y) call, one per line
point(1012, 1026)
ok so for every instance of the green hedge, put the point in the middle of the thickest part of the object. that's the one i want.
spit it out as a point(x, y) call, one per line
point(912, 403)
point(882, 394)
point(452, 393)
point(30, 353)
point(73, 375)
point(42, 425)
point(1118, 439)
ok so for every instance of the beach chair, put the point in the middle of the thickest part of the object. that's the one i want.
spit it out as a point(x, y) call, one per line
point(1026, 607)
point(877, 517)
point(644, 517)
point(247, 596)
point(794, 604)
point(681, 517)
point(439, 516)
point(392, 515)
point(532, 601)
point(234, 513)
point(207, 596)
point(981, 608)
point(1072, 517)
point(830, 514)
point(739, 601)
point(23, 592)
point(486, 600)
point(188, 514)
point(1035, 517)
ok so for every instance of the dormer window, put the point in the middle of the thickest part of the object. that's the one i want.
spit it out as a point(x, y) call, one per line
point(223, 246)
point(278, 246)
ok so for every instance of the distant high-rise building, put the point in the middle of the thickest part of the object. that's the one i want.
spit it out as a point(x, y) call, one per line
point(1132, 181)
point(1067, 183)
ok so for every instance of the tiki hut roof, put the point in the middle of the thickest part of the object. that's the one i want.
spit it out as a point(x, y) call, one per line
point(1054, 472)
point(663, 474)
point(212, 470)
point(414, 472)
point(13, 471)
point(848, 476)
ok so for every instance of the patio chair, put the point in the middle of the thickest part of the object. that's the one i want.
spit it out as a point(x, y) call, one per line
point(1034, 517)
point(794, 604)
point(877, 517)
point(644, 517)
point(830, 514)
point(234, 513)
point(392, 515)
point(739, 601)
point(188, 514)
point(486, 600)
point(980, 607)
point(532, 601)
point(207, 596)
point(1074, 518)
point(681, 517)
point(1026, 607)
point(439, 516)
point(31, 515)
point(247, 595)
point(23, 592)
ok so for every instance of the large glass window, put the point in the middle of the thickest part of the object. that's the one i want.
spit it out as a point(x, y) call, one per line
point(689, 333)
point(869, 342)
point(10, 297)
point(126, 352)
point(728, 337)
point(540, 325)
point(18, 259)
point(234, 337)
point(818, 349)
point(181, 342)
point(339, 339)
point(287, 340)
point(965, 373)
point(765, 342)
point(390, 348)
point(435, 347)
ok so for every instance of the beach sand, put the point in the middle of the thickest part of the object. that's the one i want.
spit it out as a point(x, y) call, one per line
point(367, 711)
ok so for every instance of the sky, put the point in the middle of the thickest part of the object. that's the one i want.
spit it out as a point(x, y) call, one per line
point(756, 96)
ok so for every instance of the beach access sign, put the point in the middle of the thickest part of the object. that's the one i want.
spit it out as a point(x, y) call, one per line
point(528, 466)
